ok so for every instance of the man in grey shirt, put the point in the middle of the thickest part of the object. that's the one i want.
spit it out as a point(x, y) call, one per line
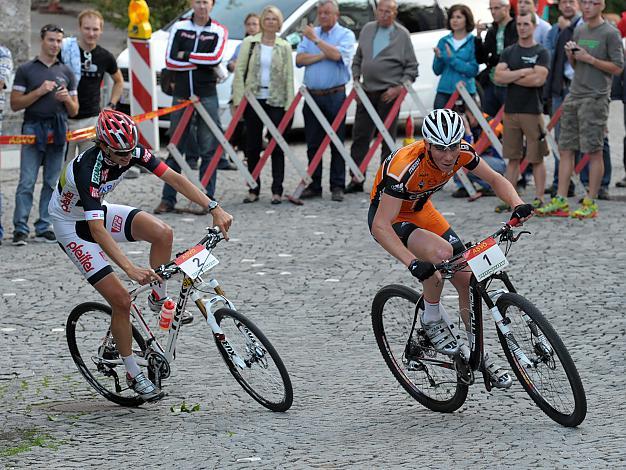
point(596, 53)
point(384, 60)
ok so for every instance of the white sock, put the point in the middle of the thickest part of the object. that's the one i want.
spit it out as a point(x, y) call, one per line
point(131, 366)
point(431, 312)
point(159, 290)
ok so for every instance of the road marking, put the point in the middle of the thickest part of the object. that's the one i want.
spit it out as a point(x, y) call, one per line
point(257, 265)
point(9, 294)
point(331, 280)
point(136, 252)
point(19, 279)
point(58, 330)
point(270, 211)
point(318, 233)
point(188, 219)
point(311, 216)
point(284, 255)
point(248, 260)
point(285, 273)
point(248, 459)
point(7, 330)
point(447, 213)
point(261, 273)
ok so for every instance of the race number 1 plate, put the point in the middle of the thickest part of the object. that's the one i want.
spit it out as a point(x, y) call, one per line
point(196, 261)
point(485, 259)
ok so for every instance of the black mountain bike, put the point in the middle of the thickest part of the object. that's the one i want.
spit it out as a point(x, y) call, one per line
point(534, 350)
point(248, 354)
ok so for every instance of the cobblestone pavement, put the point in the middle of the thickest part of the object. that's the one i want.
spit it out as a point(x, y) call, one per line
point(348, 410)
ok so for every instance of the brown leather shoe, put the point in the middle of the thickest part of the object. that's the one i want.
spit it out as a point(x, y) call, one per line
point(163, 208)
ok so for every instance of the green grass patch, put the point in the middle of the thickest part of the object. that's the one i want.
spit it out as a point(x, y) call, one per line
point(26, 440)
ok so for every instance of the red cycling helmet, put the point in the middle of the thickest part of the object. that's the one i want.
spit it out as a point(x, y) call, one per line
point(116, 130)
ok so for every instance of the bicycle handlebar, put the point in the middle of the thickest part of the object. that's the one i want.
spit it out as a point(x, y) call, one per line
point(505, 233)
point(210, 240)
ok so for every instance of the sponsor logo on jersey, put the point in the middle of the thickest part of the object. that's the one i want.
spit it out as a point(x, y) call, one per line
point(84, 259)
point(414, 165)
point(398, 187)
point(146, 156)
point(96, 173)
point(105, 173)
point(116, 225)
point(105, 188)
point(103, 256)
point(66, 200)
point(452, 239)
point(94, 192)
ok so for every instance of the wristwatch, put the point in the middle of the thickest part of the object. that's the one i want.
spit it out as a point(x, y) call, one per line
point(212, 205)
point(111, 105)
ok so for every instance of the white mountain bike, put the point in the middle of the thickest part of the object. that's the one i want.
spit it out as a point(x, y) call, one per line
point(250, 357)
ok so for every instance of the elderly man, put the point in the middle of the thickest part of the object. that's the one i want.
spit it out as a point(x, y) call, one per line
point(384, 60)
point(326, 52)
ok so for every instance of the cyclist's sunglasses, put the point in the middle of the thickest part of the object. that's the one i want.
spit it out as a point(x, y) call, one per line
point(51, 28)
point(444, 148)
point(120, 153)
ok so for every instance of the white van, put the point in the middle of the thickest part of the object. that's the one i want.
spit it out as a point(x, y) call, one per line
point(425, 19)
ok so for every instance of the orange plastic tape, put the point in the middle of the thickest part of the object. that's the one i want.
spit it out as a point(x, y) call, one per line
point(90, 132)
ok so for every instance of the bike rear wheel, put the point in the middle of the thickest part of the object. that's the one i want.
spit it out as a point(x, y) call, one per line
point(552, 381)
point(262, 374)
point(426, 375)
point(91, 345)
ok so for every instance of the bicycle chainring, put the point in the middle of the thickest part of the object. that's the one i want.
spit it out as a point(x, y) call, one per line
point(157, 361)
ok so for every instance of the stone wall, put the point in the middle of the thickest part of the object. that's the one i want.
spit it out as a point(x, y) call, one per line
point(15, 34)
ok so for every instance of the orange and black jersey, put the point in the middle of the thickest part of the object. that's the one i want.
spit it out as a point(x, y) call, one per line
point(410, 174)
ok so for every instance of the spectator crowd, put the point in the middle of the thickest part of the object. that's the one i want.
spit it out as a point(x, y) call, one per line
point(519, 61)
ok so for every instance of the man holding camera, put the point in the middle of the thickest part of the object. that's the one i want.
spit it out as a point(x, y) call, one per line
point(596, 53)
point(46, 89)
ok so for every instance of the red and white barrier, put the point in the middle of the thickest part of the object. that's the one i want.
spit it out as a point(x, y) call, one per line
point(143, 89)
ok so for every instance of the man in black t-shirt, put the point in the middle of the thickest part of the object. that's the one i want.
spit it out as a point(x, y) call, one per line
point(94, 61)
point(524, 68)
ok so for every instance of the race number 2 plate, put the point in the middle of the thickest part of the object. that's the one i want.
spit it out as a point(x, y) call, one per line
point(485, 259)
point(196, 261)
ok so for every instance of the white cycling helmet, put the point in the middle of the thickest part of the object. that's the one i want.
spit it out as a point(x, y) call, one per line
point(443, 127)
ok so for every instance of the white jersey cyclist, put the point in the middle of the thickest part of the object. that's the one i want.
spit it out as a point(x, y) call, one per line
point(79, 197)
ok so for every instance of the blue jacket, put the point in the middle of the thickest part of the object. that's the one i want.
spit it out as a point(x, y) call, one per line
point(461, 66)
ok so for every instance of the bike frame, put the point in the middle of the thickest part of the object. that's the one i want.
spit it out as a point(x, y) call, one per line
point(187, 290)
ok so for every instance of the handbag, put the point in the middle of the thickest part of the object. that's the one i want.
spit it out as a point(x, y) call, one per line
point(167, 81)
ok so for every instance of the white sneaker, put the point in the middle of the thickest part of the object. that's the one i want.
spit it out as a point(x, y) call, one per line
point(442, 337)
point(144, 387)
point(500, 377)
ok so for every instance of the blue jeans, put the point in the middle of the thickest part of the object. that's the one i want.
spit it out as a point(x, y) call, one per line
point(314, 134)
point(30, 161)
point(496, 163)
point(205, 144)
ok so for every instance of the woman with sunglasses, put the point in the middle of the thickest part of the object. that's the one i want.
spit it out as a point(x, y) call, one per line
point(89, 229)
point(405, 222)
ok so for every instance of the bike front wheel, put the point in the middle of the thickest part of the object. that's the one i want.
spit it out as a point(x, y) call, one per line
point(95, 354)
point(253, 361)
point(426, 375)
point(551, 379)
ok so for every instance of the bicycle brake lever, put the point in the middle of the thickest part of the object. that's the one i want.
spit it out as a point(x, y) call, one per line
point(514, 238)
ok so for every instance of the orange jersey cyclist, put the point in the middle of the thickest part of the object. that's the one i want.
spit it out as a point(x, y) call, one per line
point(89, 229)
point(404, 221)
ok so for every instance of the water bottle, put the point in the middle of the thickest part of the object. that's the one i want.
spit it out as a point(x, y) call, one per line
point(167, 313)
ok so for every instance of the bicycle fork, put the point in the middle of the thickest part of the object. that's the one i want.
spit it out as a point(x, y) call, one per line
point(206, 308)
